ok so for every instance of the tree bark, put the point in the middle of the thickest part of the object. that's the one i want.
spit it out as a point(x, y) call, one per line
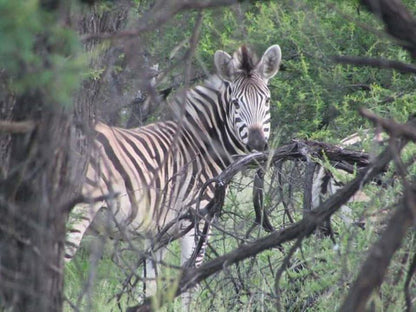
point(32, 231)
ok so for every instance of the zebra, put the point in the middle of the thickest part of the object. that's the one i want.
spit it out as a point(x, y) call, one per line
point(156, 171)
point(325, 183)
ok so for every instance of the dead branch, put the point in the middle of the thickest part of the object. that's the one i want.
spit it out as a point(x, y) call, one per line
point(307, 188)
point(373, 62)
point(261, 215)
point(17, 126)
point(158, 15)
point(407, 131)
point(398, 21)
point(81, 199)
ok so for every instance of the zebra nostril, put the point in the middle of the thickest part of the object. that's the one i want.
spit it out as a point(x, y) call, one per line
point(256, 140)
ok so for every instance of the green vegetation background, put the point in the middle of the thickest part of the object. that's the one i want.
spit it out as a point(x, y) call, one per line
point(313, 97)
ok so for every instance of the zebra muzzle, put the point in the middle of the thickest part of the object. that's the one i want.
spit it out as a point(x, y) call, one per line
point(256, 139)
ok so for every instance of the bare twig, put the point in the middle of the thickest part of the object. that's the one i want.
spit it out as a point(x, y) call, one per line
point(407, 131)
point(17, 126)
point(66, 207)
point(374, 62)
point(398, 21)
point(261, 215)
point(307, 189)
point(162, 12)
point(279, 167)
point(372, 272)
point(193, 42)
point(409, 276)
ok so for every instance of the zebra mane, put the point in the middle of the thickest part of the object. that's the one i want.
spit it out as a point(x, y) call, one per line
point(176, 102)
point(245, 60)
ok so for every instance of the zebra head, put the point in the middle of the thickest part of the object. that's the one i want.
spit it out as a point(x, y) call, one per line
point(248, 97)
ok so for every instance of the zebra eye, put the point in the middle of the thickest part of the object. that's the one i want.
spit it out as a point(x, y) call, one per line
point(236, 103)
point(267, 101)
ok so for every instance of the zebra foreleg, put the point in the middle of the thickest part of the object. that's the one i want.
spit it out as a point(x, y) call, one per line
point(80, 219)
point(188, 245)
point(189, 242)
point(150, 273)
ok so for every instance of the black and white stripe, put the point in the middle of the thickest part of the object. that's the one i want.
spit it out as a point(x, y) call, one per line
point(157, 170)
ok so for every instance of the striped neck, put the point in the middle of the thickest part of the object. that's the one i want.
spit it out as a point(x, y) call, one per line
point(205, 120)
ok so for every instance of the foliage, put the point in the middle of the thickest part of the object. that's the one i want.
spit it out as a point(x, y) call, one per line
point(25, 30)
point(313, 97)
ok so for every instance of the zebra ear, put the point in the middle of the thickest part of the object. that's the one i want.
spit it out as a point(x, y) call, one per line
point(225, 65)
point(270, 62)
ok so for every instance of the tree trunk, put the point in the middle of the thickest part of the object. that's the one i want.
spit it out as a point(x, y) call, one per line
point(31, 201)
point(35, 183)
point(39, 177)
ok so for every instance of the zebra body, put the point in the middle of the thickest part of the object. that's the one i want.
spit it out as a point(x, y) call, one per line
point(157, 171)
point(325, 183)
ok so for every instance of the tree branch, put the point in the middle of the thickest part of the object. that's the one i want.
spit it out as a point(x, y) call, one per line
point(261, 215)
point(161, 12)
point(398, 21)
point(407, 131)
point(17, 126)
point(373, 62)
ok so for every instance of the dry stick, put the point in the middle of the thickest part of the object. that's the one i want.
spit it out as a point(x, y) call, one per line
point(259, 209)
point(160, 13)
point(278, 167)
point(17, 126)
point(398, 21)
point(305, 227)
point(213, 209)
point(66, 207)
point(307, 187)
point(407, 131)
point(284, 202)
